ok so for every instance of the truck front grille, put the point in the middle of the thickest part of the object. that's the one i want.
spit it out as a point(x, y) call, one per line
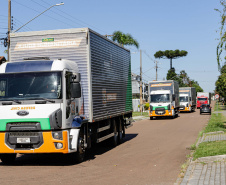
point(160, 111)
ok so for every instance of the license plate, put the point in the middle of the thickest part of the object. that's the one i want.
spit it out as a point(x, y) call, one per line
point(160, 112)
point(23, 140)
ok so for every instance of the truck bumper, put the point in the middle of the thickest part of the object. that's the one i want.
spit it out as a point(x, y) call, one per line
point(165, 113)
point(186, 109)
point(48, 145)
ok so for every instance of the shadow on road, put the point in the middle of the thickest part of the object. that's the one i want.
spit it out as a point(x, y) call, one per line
point(61, 159)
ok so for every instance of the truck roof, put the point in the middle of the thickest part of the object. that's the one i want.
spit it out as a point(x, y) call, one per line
point(38, 65)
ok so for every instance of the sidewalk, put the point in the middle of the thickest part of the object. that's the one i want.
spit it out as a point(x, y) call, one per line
point(138, 118)
point(207, 170)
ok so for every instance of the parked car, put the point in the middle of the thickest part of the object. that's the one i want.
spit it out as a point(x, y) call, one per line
point(205, 108)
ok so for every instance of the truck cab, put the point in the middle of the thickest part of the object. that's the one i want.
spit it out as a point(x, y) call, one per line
point(185, 104)
point(201, 100)
point(38, 103)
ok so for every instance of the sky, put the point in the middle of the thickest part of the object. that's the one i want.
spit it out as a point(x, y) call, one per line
point(191, 25)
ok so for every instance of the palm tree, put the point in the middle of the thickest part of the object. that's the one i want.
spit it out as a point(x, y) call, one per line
point(124, 39)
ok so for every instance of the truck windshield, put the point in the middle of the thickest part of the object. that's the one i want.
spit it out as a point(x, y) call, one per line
point(202, 99)
point(184, 99)
point(28, 86)
point(160, 98)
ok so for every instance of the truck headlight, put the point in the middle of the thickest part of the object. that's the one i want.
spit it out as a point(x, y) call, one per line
point(57, 135)
point(58, 145)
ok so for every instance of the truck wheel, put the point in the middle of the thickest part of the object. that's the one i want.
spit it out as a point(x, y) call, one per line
point(114, 138)
point(120, 132)
point(77, 157)
point(151, 118)
point(8, 158)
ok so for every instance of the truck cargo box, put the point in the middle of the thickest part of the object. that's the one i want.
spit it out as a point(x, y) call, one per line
point(105, 66)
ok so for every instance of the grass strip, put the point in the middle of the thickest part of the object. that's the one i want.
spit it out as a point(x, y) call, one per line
point(210, 149)
point(216, 123)
point(139, 114)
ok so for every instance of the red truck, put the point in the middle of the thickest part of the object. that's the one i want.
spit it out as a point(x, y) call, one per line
point(203, 98)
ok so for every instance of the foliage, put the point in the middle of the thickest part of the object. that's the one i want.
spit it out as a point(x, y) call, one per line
point(223, 69)
point(183, 79)
point(222, 40)
point(124, 39)
point(170, 54)
point(196, 85)
point(146, 106)
point(221, 85)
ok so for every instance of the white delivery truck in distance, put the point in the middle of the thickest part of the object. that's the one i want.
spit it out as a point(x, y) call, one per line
point(76, 94)
point(164, 98)
point(187, 99)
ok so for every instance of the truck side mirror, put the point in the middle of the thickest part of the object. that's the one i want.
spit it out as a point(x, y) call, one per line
point(173, 97)
point(75, 90)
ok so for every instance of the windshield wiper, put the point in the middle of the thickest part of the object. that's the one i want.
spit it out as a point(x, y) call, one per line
point(51, 101)
point(9, 102)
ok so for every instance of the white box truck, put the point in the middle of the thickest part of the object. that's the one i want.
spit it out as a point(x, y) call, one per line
point(164, 98)
point(187, 99)
point(63, 91)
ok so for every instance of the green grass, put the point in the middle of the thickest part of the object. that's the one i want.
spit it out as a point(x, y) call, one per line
point(210, 149)
point(216, 123)
point(139, 114)
point(219, 106)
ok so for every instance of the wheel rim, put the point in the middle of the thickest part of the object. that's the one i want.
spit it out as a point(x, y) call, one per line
point(81, 147)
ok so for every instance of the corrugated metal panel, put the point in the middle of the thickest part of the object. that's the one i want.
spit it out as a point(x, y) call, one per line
point(110, 77)
point(77, 52)
point(110, 68)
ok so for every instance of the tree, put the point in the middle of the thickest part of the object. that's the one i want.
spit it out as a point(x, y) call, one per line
point(221, 82)
point(172, 75)
point(183, 79)
point(124, 39)
point(222, 40)
point(196, 85)
point(170, 54)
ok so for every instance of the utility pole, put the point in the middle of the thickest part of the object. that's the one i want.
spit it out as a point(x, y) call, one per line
point(141, 100)
point(156, 69)
point(9, 26)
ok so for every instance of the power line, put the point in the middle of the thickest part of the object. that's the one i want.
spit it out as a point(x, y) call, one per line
point(148, 56)
point(44, 14)
point(73, 17)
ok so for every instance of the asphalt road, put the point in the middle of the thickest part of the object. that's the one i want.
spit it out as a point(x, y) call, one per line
point(152, 153)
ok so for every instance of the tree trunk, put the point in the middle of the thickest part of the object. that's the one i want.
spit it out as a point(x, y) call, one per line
point(171, 63)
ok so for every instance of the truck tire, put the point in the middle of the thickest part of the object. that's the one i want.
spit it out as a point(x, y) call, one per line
point(77, 157)
point(120, 131)
point(151, 118)
point(8, 158)
point(114, 138)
